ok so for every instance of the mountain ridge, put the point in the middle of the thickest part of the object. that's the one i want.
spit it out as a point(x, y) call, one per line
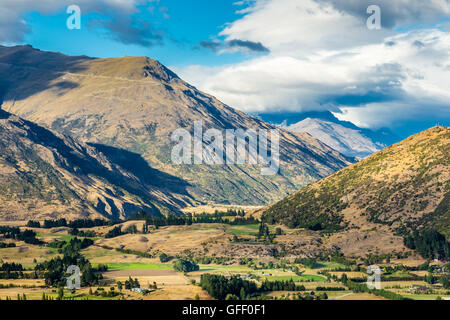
point(135, 103)
point(45, 174)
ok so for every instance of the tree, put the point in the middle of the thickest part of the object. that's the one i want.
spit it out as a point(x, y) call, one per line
point(164, 257)
point(60, 293)
point(119, 285)
point(429, 278)
point(445, 282)
point(242, 294)
point(181, 265)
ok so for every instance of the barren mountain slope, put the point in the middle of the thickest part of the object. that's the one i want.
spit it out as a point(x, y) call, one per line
point(44, 174)
point(135, 103)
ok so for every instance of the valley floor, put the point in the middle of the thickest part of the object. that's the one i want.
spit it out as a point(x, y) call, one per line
point(220, 249)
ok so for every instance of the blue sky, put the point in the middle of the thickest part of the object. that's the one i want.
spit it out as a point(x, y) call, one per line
point(183, 25)
point(270, 56)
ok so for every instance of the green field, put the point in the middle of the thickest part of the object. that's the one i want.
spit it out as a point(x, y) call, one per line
point(63, 237)
point(244, 230)
point(135, 266)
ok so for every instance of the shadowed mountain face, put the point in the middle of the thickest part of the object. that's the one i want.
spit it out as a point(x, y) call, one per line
point(45, 174)
point(401, 188)
point(135, 103)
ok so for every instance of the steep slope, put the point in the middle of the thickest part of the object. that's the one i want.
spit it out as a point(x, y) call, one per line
point(401, 188)
point(46, 174)
point(135, 103)
point(350, 142)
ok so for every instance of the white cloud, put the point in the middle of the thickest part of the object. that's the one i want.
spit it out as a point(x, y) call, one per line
point(120, 25)
point(325, 58)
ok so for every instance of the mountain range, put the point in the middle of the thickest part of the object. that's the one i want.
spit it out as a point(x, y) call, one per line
point(134, 104)
point(342, 136)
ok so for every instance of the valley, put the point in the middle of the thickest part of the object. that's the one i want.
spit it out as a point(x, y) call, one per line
point(87, 181)
point(216, 249)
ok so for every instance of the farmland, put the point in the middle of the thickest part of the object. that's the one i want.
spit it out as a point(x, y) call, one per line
point(134, 258)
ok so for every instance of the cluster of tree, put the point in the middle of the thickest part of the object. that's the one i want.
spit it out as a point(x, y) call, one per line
point(55, 223)
point(330, 289)
point(430, 244)
point(181, 265)
point(218, 214)
point(7, 245)
point(117, 231)
point(130, 283)
point(15, 275)
point(264, 233)
point(188, 219)
point(74, 244)
point(77, 223)
point(445, 281)
point(33, 224)
point(339, 257)
point(54, 270)
point(142, 215)
point(281, 286)
point(81, 233)
point(14, 271)
point(164, 257)
point(307, 262)
point(11, 267)
point(28, 236)
point(103, 293)
point(219, 286)
point(114, 232)
point(131, 229)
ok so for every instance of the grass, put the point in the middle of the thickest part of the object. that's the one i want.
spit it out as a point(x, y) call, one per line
point(63, 237)
point(244, 230)
point(296, 278)
point(135, 266)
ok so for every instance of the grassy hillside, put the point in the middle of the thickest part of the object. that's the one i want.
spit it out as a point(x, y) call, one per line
point(403, 187)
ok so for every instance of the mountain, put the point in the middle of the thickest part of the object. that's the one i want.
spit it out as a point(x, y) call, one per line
point(402, 188)
point(44, 174)
point(350, 142)
point(135, 103)
point(343, 136)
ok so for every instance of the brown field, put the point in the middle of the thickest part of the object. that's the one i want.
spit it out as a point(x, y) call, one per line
point(359, 296)
point(171, 240)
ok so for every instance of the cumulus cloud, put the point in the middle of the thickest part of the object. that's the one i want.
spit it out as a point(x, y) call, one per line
point(398, 12)
point(118, 18)
point(325, 58)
